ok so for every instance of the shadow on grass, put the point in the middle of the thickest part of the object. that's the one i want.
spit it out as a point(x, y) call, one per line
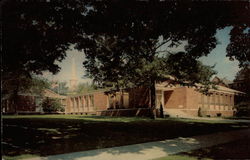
point(48, 135)
point(164, 148)
point(239, 149)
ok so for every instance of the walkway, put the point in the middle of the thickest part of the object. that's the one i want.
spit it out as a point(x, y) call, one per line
point(153, 150)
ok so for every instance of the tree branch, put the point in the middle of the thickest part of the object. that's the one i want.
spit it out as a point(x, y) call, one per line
point(164, 42)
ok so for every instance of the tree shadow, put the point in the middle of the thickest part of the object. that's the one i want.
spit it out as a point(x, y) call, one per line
point(238, 149)
point(46, 137)
point(185, 146)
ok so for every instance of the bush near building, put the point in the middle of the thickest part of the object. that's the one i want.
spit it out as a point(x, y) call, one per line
point(243, 109)
point(52, 105)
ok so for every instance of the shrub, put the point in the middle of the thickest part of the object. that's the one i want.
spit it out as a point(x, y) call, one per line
point(202, 112)
point(243, 109)
point(161, 112)
point(52, 105)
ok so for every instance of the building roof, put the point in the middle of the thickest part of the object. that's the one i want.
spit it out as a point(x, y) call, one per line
point(226, 81)
point(166, 86)
point(51, 94)
point(221, 81)
point(46, 93)
point(227, 90)
point(90, 92)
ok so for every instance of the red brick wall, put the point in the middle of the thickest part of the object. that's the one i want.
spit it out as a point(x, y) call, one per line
point(192, 98)
point(192, 112)
point(26, 103)
point(139, 112)
point(175, 98)
point(139, 97)
point(100, 101)
point(227, 113)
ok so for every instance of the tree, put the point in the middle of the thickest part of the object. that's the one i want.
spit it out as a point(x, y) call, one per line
point(37, 34)
point(85, 87)
point(243, 77)
point(20, 84)
point(60, 87)
point(239, 46)
point(115, 67)
point(175, 21)
point(242, 83)
point(40, 33)
point(132, 37)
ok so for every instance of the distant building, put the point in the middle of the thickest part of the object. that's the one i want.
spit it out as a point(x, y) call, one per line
point(28, 102)
point(222, 81)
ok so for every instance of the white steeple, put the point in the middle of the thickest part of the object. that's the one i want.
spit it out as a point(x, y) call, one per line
point(73, 79)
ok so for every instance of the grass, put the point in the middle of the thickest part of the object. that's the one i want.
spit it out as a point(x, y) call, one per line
point(180, 157)
point(24, 156)
point(79, 117)
point(44, 135)
point(237, 118)
point(212, 121)
point(239, 149)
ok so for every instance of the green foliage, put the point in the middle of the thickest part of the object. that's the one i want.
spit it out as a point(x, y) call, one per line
point(189, 71)
point(52, 105)
point(239, 45)
point(243, 109)
point(85, 87)
point(118, 36)
point(38, 85)
point(34, 38)
point(60, 87)
point(243, 76)
point(22, 84)
point(23, 156)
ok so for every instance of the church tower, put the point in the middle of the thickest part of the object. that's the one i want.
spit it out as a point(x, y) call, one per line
point(73, 79)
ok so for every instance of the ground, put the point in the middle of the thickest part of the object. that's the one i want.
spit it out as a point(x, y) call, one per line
point(234, 150)
point(44, 135)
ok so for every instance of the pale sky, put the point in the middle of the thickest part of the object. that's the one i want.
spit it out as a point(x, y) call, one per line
point(66, 68)
point(224, 67)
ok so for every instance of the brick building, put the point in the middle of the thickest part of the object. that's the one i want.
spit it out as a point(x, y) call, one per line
point(28, 102)
point(95, 101)
point(177, 101)
point(187, 100)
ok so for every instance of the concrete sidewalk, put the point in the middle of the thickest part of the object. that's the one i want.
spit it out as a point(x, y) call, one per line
point(153, 150)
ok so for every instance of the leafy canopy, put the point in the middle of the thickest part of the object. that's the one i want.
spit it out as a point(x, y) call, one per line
point(115, 34)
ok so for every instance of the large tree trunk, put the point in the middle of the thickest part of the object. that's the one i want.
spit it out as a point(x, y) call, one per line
point(152, 99)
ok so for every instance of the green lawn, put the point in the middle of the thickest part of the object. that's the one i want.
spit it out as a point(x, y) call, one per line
point(239, 149)
point(44, 135)
point(181, 157)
